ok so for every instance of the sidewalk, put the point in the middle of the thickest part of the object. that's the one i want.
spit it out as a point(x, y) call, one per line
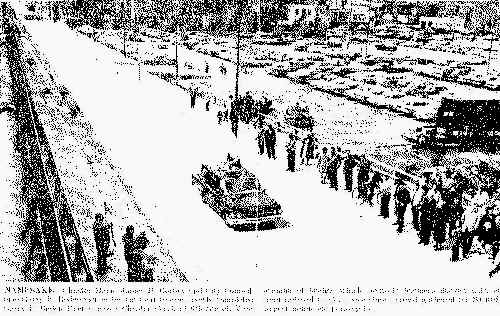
point(13, 246)
point(91, 178)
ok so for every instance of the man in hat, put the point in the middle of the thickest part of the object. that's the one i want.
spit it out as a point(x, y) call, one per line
point(270, 141)
point(192, 95)
point(333, 169)
point(290, 150)
point(496, 253)
point(128, 248)
point(427, 210)
point(323, 163)
point(384, 194)
point(417, 204)
point(307, 149)
point(373, 186)
point(102, 237)
point(261, 139)
point(363, 178)
point(349, 165)
point(220, 116)
point(233, 115)
point(138, 267)
point(403, 198)
point(248, 105)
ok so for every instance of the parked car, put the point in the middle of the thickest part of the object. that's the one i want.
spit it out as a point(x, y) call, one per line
point(386, 47)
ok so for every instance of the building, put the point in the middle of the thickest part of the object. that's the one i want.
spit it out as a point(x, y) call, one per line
point(300, 13)
point(338, 11)
point(478, 16)
point(352, 12)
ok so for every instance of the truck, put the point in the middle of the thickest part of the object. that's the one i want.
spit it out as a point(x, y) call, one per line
point(462, 123)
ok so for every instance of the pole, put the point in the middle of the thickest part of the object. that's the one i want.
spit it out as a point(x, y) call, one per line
point(367, 37)
point(176, 52)
point(238, 21)
point(177, 41)
point(259, 28)
point(123, 25)
point(489, 53)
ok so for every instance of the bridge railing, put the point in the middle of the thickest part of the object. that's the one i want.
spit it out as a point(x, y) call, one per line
point(54, 234)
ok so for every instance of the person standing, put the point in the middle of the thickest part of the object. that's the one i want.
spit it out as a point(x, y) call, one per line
point(384, 194)
point(261, 142)
point(349, 165)
point(417, 204)
point(333, 169)
point(259, 111)
point(290, 150)
point(373, 186)
point(233, 115)
point(496, 252)
point(403, 198)
point(323, 163)
point(427, 210)
point(192, 94)
point(270, 141)
point(226, 111)
point(487, 233)
point(220, 116)
point(307, 149)
point(363, 178)
point(128, 248)
point(439, 218)
point(102, 238)
point(247, 107)
point(138, 267)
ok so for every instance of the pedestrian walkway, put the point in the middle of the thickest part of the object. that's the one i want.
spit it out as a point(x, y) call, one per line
point(13, 247)
point(11, 208)
point(91, 178)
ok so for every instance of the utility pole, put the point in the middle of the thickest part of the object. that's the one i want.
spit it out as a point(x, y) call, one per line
point(132, 10)
point(489, 53)
point(124, 32)
point(179, 16)
point(259, 28)
point(238, 21)
point(176, 51)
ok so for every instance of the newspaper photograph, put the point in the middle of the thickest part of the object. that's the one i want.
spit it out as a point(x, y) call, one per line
point(268, 157)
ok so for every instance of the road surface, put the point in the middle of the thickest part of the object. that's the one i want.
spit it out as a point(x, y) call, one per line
point(158, 142)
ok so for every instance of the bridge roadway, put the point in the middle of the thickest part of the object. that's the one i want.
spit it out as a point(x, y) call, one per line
point(158, 142)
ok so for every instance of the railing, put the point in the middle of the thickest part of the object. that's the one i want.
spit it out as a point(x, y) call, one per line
point(53, 230)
